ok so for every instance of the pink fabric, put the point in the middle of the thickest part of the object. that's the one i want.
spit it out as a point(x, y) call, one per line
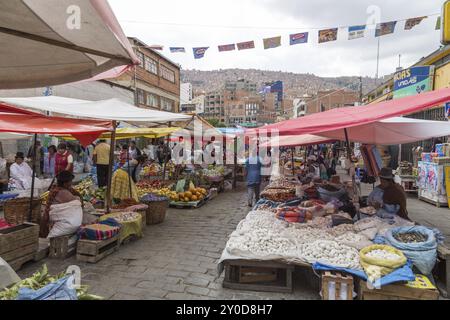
point(341, 118)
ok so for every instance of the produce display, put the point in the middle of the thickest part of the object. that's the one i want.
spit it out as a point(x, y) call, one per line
point(281, 183)
point(370, 211)
point(383, 254)
point(153, 169)
point(150, 197)
point(262, 236)
point(278, 195)
point(127, 216)
point(39, 280)
point(194, 194)
point(125, 204)
point(214, 171)
point(410, 237)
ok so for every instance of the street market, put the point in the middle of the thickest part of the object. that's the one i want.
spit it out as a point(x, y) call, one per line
point(126, 197)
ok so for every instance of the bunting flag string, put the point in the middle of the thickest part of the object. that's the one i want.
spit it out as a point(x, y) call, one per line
point(324, 35)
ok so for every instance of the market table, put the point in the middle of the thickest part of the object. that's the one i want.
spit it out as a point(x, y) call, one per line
point(128, 228)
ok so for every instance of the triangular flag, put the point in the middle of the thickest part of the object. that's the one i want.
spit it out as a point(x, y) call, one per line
point(246, 45)
point(438, 23)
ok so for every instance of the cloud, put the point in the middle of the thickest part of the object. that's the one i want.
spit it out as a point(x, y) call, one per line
point(282, 17)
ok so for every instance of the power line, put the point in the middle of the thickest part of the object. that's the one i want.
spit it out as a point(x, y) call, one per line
point(194, 25)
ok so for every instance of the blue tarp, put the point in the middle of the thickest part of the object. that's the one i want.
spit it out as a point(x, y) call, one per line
point(404, 273)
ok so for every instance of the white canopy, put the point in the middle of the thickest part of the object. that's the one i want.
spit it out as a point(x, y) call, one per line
point(13, 136)
point(391, 131)
point(111, 109)
point(60, 41)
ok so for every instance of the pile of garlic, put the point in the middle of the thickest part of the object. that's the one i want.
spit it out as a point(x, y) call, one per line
point(383, 254)
point(262, 235)
point(331, 253)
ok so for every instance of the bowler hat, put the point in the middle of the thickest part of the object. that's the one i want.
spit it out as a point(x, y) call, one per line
point(20, 155)
point(386, 173)
point(65, 176)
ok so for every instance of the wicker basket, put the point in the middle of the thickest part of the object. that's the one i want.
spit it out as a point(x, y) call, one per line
point(156, 211)
point(16, 211)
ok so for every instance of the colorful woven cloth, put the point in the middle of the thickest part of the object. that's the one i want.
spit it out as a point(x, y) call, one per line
point(294, 214)
point(100, 231)
point(131, 223)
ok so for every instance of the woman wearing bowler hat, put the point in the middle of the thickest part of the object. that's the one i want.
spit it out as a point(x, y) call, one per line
point(388, 197)
point(21, 173)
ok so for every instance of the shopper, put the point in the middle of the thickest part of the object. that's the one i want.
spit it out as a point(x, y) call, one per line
point(124, 155)
point(101, 160)
point(63, 159)
point(49, 162)
point(39, 157)
point(134, 151)
point(253, 174)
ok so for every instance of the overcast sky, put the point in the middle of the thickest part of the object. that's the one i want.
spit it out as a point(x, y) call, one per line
point(176, 23)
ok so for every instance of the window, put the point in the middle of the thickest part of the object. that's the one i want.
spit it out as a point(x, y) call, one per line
point(140, 96)
point(167, 74)
point(167, 104)
point(151, 65)
point(152, 100)
point(140, 56)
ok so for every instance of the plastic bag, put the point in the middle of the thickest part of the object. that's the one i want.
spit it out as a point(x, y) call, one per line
point(63, 289)
point(328, 196)
point(375, 268)
point(67, 218)
point(423, 254)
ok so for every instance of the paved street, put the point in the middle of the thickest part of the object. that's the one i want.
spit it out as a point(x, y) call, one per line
point(177, 259)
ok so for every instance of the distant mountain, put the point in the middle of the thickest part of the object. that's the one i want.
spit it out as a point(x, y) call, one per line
point(295, 84)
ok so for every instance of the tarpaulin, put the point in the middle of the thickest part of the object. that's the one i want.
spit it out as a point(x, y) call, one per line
point(348, 117)
point(60, 41)
point(404, 273)
point(83, 130)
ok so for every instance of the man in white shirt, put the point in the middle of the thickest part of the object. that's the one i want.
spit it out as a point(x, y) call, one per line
point(21, 173)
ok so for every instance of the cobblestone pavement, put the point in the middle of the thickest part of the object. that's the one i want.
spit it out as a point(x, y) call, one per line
point(177, 259)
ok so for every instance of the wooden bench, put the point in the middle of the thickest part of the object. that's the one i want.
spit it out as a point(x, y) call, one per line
point(258, 276)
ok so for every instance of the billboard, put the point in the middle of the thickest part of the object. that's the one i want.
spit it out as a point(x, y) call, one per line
point(412, 81)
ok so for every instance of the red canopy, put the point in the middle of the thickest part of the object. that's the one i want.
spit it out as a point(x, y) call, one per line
point(341, 118)
point(22, 121)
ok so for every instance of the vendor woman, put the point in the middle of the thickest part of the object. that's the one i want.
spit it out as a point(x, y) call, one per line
point(59, 194)
point(388, 198)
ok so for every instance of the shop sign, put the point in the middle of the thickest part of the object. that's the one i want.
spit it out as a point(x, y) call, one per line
point(412, 81)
